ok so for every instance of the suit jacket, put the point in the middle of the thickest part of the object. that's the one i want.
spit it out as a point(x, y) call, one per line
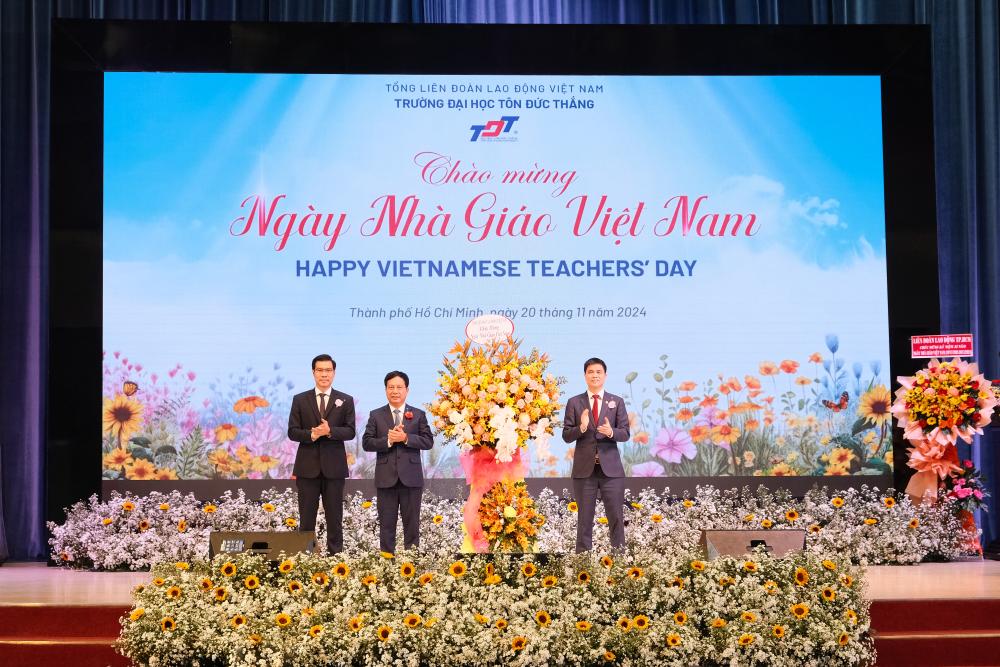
point(590, 443)
point(402, 460)
point(326, 457)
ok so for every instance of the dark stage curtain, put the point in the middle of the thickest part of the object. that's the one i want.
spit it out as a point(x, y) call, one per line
point(966, 113)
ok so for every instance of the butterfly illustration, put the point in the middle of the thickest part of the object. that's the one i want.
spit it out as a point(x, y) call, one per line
point(839, 405)
point(129, 388)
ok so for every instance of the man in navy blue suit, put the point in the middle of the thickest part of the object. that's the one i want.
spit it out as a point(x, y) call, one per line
point(397, 433)
point(320, 420)
point(597, 421)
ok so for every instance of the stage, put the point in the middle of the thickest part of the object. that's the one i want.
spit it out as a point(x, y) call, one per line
point(928, 614)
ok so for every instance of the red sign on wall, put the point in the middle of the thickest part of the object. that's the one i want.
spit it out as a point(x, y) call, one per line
point(945, 345)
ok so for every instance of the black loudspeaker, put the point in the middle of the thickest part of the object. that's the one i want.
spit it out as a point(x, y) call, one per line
point(265, 542)
point(781, 542)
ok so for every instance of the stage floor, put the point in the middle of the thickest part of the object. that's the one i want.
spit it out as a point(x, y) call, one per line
point(38, 584)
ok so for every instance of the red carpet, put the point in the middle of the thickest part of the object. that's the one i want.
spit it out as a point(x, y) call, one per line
point(936, 633)
point(59, 635)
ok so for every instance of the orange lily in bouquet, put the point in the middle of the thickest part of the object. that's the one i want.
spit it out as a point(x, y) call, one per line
point(941, 404)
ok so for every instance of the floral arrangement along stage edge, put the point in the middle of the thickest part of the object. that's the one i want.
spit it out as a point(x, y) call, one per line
point(492, 400)
point(416, 609)
point(865, 525)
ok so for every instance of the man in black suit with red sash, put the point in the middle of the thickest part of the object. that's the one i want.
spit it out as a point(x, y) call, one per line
point(320, 420)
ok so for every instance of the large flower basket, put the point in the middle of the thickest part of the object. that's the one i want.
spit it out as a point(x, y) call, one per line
point(492, 402)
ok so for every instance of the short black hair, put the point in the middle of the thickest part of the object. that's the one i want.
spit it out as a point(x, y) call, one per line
point(397, 374)
point(594, 360)
point(323, 357)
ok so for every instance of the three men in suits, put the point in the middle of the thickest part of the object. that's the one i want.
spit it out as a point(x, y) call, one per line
point(597, 421)
point(320, 420)
point(397, 433)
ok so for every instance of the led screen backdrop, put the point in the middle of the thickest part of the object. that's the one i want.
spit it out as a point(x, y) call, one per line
point(718, 241)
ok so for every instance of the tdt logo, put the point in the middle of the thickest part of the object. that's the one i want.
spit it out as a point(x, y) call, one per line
point(493, 128)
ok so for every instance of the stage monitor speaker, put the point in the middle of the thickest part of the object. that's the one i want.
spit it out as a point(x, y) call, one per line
point(262, 542)
point(780, 542)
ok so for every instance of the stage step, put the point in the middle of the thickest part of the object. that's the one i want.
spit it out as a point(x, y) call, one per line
point(60, 635)
point(936, 633)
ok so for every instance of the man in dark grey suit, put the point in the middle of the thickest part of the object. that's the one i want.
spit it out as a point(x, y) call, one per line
point(596, 421)
point(397, 433)
point(320, 420)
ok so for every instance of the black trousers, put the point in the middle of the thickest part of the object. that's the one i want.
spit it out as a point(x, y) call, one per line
point(393, 501)
point(311, 489)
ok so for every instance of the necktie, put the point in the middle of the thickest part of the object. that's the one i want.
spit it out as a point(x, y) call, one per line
point(322, 406)
point(395, 417)
point(593, 412)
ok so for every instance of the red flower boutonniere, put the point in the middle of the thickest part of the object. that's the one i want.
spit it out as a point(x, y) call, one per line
point(408, 414)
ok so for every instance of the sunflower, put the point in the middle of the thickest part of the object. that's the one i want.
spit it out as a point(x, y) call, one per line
point(847, 580)
point(518, 643)
point(320, 579)
point(815, 528)
point(673, 640)
point(221, 594)
point(543, 618)
point(746, 639)
point(107, 522)
point(583, 626)
point(624, 623)
point(609, 656)
point(607, 561)
point(913, 523)
point(718, 622)
point(355, 624)
point(128, 506)
point(698, 565)
point(412, 620)
point(407, 570)
point(749, 616)
point(529, 569)
point(829, 595)
point(137, 614)
point(750, 566)
point(480, 619)
point(267, 507)
point(791, 516)
point(426, 578)
point(369, 579)
point(182, 526)
point(117, 458)
point(249, 404)
point(174, 592)
point(680, 618)
point(294, 587)
point(889, 502)
point(181, 565)
point(255, 639)
point(549, 581)
point(843, 639)
point(291, 522)
point(122, 417)
point(286, 566)
point(778, 631)
point(168, 624)
point(851, 616)
point(837, 502)
point(770, 587)
point(251, 582)
point(140, 469)
point(874, 406)
point(656, 518)
point(458, 569)
point(159, 581)
point(316, 631)
point(800, 610)
point(238, 621)
point(634, 573)
point(341, 570)
point(143, 526)
point(384, 631)
point(688, 503)
point(583, 577)
point(573, 507)
point(283, 620)
point(640, 622)
point(801, 576)
point(871, 521)
point(308, 611)
point(726, 581)
point(748, 518)
point(437, 519)
point(766, 523)
point(500, 624)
